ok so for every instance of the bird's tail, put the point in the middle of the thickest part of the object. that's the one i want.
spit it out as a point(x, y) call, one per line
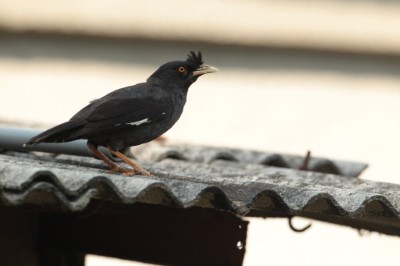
point(60, 133)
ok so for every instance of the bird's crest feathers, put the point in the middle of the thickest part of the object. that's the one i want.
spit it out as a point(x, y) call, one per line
point(195, 59)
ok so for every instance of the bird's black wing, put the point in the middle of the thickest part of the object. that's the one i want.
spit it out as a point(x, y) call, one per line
point(130, 106)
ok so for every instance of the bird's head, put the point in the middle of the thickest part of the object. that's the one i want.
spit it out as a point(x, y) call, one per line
point(183, 73)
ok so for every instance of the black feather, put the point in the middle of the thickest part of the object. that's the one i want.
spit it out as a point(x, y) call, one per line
point(60, 133)
point(195, 59)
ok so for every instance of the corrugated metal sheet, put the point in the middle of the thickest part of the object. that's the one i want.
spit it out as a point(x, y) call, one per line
point(207, 155)
point(237, 185)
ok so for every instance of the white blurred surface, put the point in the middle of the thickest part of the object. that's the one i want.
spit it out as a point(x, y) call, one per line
point(93, 260)
point(339, 25)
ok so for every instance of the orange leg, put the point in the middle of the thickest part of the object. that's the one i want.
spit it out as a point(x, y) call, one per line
point(113, 166)
point(137, 168)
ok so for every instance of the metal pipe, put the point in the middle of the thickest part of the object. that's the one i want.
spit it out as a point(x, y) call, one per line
point(13, 139)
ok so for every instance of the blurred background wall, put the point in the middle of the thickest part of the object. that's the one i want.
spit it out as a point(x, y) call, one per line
point(319, 75)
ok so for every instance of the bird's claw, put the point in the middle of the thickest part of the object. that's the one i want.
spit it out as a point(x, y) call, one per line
point(140, 172)
point(121, 170)
point(128, 172)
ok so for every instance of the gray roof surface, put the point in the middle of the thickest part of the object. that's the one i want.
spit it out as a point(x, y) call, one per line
point(224, 179)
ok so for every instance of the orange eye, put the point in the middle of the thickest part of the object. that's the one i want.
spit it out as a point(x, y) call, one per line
point(182, 69)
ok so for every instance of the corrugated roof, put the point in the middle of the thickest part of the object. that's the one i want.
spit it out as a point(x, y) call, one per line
point(241, 186)
point(208, 155)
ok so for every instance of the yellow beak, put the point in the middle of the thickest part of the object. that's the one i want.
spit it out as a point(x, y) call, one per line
point(204, 69)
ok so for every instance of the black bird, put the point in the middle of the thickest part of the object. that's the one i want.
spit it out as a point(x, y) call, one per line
point(132, 115)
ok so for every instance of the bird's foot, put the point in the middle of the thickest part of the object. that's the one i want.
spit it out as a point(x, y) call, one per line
point(128, 172)
point(131, 172)
point(122, 170)
point(136, 168)
point(139, 172)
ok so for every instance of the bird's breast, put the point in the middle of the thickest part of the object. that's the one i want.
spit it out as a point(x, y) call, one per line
point(177, 104)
